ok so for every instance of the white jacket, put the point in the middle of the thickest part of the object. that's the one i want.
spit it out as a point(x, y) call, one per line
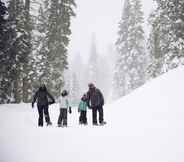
point(63, 102)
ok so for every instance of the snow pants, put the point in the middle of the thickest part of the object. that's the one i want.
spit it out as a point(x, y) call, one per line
point(43, 109)
point(83, 118)
point(94, 113)
point(62, 120)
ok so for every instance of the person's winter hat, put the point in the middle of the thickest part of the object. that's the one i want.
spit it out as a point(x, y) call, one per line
point(43, 87)
point(91, 85)
point(84, 97)
point(64, 93)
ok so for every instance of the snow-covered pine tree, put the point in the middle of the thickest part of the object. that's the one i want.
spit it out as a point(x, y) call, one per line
point(3, 13)
point(58, 40)
point(174, 9)
point(19, 18)
point(167, 24)
point(120, 68)
point(14, 51)
point(131, 60)
point(27, 73)
point(154, 45)
point(137, 67)
point(5, 60)
point(43, 66)
point(55, 35)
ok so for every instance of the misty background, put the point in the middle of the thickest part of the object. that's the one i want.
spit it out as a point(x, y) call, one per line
point(96, 23)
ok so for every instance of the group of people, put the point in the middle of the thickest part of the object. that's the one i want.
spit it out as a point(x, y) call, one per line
point(93, 100)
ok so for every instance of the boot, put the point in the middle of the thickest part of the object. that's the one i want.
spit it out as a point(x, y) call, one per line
point(103, 123)
point(49, 123)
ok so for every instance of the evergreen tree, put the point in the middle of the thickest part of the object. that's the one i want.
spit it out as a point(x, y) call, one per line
point(154, 46)
point(56, 17)
point(120, 68)
point(131, 60)
point(11, 56)
point(41, 46)
point(20, 18)
point(5, 59)
point(28, 67)
point(166, 38)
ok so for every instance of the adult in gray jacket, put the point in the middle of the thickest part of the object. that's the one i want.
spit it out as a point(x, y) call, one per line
point(41, 96)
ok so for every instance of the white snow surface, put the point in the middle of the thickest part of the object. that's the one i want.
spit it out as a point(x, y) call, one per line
point(145, 126)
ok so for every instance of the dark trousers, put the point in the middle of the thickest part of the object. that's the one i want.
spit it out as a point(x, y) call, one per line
point(83, 118)
point(43, 109)
point(62, 120)
point(94, 112)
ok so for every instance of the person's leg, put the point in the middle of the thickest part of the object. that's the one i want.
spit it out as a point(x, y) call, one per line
point(46, 113)
point(64, 117)
point(60, 118)
point(94, 113)
point(85, 118)
point(40, 119)
point(100, 110)
point(80, 118)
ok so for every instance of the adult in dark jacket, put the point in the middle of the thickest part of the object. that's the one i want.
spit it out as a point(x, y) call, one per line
point(41, 96)
point(95, 102)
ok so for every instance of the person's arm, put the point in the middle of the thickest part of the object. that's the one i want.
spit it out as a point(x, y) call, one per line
point(34, 98)
point(60, 101)
point(88, 99)
point(67, 102)
point(102, 97)
point(52, 98)
point(79, 106)
point(68, 105)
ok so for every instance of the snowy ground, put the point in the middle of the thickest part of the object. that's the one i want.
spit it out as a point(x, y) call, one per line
point(145, 126)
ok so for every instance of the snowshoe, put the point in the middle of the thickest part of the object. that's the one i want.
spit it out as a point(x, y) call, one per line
point(49, 123)
point(85, 124)
point(103, 123)
point(95, 124)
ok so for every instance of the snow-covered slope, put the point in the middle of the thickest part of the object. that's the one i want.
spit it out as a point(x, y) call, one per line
point(145, 126)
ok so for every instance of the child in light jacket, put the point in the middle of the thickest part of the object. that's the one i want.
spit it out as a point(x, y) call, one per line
point(63, 106)
point(83, 110)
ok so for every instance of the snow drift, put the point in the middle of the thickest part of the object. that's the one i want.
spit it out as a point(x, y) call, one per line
point(145, 126)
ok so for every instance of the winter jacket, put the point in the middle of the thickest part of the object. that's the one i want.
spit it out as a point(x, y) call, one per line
point(95, 98)
point(83, 106)
point(41, 96)
point(63, 102)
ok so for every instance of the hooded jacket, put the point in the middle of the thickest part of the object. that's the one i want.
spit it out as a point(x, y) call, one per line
point(64, 102)
point(95, 98)
point(41, 96)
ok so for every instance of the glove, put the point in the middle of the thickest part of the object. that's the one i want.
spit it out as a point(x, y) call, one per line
point(32, 105)
point(70, 110)
point(89, 107)
point(51, 102)
point(78, 110)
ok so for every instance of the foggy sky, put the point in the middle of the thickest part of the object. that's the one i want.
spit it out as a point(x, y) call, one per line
point(100, 17)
